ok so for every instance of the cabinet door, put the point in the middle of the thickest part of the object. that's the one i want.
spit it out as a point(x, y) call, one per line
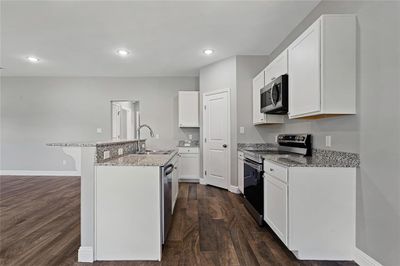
point(188, 108)
point(276, 206)
point(258, 84)
point(304, 72)
point(189, 166)
point(277, 68)
point(241, 175)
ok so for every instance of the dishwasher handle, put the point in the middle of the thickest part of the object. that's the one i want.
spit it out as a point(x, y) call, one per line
point(168, 169)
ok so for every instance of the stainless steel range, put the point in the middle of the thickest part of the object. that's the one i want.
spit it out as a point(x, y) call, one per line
point(253, 169)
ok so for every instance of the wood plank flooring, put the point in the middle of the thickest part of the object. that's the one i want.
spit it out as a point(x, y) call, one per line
point(39, 225)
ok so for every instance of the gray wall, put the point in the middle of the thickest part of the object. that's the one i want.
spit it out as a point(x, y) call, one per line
point(237, 73)
point(374, 132)
point(35, 111)
point(247, 68)
point(219, 76)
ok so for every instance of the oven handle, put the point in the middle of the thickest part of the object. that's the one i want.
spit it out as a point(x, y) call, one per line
point(259, 167)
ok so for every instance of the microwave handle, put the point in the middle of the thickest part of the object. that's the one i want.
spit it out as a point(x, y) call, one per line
point(272, 90)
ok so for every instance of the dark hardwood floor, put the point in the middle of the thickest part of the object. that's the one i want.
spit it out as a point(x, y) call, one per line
point(39, 225)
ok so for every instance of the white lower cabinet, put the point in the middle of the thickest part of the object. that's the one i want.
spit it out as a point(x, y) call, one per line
point(241, 172)
point(189, 163)
point(276, 206)
point(312, 209)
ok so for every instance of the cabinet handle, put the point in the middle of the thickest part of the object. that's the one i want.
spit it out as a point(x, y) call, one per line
point(271, 169)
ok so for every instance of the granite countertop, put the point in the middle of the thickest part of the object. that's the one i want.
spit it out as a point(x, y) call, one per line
point(319, 158)
point(90, 143)
point(188, 143)
point(140, 160)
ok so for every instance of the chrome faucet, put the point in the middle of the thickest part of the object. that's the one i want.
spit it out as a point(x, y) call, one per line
point(138, 132)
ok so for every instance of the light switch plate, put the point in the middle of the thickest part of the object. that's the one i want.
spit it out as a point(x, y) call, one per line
point(157, 136)
point(241, 129)
point(120, 151)
point(276, 138)
point(328, 141)
point(99, 130)
point(106, 155)
point(190, 136)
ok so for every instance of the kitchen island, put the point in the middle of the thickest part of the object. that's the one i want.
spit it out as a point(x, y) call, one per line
point(110, 169)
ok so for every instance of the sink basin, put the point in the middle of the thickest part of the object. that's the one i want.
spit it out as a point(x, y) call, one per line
point(154, 152)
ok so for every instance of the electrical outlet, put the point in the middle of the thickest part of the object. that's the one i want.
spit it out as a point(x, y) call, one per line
point(328, 142)
point(106, 155)
point(64, 162)
point(241, 129)
point(190, 136)
point(120, 151)
point(99, 130)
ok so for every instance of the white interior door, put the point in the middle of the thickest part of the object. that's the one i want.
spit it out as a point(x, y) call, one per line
point(216, 131)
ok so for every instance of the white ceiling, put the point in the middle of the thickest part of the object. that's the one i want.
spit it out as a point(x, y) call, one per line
point(79, 38)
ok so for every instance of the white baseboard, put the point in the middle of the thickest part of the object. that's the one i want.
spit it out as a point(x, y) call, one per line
point(85, 254)
point(234, 189)
point(202, 181)
point(188, 180)
point(363, 259)
point(39, 173)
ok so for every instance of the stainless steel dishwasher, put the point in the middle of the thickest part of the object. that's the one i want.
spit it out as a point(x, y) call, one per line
point(166, 174)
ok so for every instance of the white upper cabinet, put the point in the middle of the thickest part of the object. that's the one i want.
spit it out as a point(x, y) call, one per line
point(278, 67)
point(188, 108)
point(322, 68)
point(258, 84)
point(275, 69)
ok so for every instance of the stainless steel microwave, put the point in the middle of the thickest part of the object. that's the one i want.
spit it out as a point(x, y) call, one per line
point(274, 96)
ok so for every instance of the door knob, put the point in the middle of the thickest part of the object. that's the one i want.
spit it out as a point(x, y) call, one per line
point(224, 145)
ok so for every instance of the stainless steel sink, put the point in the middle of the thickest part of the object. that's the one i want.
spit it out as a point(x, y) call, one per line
point(148, 152)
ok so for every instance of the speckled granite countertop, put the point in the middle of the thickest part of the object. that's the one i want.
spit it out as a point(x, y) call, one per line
point(140, 160)
point(89, 143)
point(319, 158)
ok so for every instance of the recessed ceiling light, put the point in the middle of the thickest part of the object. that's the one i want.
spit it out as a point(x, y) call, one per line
point(33, 59)
point(208, 52)
point(123, 52)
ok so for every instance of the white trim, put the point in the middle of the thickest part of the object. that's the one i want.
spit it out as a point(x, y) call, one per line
point(363, 259)
point(39, 173)
point(188, 180)
point(228, 90)
point(85, 254)
point(202, 181)
point(234, 189)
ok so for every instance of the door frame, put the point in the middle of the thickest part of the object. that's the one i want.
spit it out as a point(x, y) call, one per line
point(229, 150)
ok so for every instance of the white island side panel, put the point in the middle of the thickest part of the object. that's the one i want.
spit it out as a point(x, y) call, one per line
point(127, 213)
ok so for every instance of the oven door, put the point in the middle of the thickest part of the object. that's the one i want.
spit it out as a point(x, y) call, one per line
point(253, 187)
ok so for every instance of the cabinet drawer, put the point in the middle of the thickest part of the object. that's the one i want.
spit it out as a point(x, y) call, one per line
point(188, 150)
point(275, 170)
